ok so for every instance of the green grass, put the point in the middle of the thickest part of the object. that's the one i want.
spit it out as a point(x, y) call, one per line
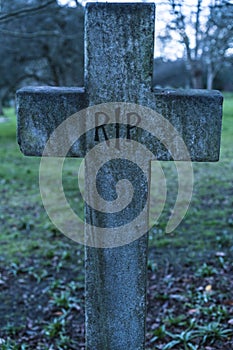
point(210, 213)
point(23, 211)
point(8, 129)
point(227, 129)
point(33, 250)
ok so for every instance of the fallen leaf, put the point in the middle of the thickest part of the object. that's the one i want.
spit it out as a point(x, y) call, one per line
point(76, 307)
point(208, 288)
point(220, 254)
point(178, 297)
point(58, 313)
point(200, 289)
point(21, 280)
point(193, 311)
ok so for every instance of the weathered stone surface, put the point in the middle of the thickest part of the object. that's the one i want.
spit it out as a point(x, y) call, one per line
point(196, 114)
point(118, 67)
point(116, 296)
point(119, 45)
point(119, 53)
point(39, 112)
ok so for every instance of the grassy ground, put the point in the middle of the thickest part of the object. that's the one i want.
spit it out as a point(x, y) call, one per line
point(190, 298)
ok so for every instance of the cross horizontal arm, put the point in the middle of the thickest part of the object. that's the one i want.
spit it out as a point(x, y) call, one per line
point(40, 110)
point(196, 114)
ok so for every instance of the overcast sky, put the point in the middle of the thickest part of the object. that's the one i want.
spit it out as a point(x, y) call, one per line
point(174, 49)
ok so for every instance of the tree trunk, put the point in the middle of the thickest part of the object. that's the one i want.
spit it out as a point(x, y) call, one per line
point(210, 78)
point(197, 75)
point(1, 108)
point(3, 92)
point(188, 75)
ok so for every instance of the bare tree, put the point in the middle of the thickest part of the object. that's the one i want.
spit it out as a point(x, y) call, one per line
point(40, 43)
point(218, 40)
point(21, 12)
point(206, 31)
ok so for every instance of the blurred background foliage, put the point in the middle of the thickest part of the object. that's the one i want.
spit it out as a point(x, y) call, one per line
point(42, 43)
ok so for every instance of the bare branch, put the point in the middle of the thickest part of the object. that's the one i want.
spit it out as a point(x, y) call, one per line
point(24, 11)
point(24, 35)
point(197, 27)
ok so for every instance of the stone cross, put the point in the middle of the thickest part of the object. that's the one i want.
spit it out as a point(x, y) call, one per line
point(119, 41)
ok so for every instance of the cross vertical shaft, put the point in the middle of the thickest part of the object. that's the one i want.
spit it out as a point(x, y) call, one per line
point(117, 68)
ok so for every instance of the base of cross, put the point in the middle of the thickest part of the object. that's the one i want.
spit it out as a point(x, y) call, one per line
point(116, 287)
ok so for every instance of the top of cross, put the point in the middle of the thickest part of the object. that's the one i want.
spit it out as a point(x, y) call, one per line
point(119, 41)
point(119, 51)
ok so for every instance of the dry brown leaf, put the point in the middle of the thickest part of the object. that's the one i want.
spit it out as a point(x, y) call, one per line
point(208, 288)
